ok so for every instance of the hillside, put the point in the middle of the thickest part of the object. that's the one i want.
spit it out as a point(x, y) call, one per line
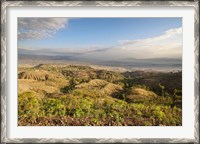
point(74, 95)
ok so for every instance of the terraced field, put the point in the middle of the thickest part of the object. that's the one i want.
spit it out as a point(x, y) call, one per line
point(73, 95)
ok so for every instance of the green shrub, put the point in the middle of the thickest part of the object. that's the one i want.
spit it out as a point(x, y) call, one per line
point(29, 105)
point(158, 113)
point(54, 107)
point(79, 112)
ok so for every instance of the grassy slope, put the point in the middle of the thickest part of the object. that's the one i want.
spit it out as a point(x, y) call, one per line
point(81, 95)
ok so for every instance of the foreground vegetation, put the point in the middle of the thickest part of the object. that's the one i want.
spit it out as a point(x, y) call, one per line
point(82, 96)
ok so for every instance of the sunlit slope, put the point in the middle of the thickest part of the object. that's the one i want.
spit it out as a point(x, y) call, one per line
point(81, 95)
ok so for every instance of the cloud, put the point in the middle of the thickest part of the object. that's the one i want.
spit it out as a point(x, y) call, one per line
point(169, 34)
point(38, 28)
point(168, 44)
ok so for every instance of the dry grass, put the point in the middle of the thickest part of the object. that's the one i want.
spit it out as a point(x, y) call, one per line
point(40, 75)
point(40, 81)
point(33, 85)
point(100, 87)
point(142, 92)
point(93, 83)
point(110, 89)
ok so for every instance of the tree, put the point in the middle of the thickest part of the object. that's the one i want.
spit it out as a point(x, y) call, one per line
point(70, 87)
point(72, 82)
point(162, 89)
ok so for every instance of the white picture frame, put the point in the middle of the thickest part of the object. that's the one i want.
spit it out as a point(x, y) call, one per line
point(10, 12)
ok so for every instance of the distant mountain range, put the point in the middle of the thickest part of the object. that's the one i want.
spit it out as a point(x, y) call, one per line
point(116, 54)
point(94, 57)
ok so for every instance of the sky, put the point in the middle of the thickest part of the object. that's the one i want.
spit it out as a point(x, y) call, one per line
point(103, 37)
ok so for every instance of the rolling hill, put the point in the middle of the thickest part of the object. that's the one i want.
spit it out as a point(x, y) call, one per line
point(78, 95)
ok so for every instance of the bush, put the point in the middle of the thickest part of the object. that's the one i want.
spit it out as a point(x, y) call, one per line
point(29, 105)
point(54, 107)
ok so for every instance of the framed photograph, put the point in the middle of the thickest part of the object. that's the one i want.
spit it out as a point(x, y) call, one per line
point(100, 71)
